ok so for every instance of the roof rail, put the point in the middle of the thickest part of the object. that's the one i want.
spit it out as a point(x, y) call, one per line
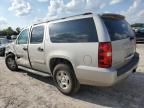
point(111, 15)
point(61, 18)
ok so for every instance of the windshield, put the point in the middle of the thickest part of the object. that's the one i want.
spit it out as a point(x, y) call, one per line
point(118, 29)
point(142, 30)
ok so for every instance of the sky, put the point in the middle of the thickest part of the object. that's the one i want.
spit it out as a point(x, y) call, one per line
point(21, 13)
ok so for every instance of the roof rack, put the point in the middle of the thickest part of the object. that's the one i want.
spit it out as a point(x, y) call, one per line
point(62, 18)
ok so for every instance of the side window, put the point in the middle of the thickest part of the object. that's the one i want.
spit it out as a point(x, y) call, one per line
point(23, 37)
point(37, 35)
point(75, 31)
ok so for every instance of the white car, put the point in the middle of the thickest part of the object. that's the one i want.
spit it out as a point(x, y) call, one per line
point(3, 43)
point(90, 49)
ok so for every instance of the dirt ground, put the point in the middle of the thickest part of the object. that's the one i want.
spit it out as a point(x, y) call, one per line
point(27, 90)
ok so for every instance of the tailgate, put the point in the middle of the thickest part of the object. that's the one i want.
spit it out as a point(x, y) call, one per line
point(122, 52)
point(122, 39)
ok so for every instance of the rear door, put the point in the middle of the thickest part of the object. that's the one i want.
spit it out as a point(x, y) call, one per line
point(122, 39)
point(37, 49)
point(21, 48)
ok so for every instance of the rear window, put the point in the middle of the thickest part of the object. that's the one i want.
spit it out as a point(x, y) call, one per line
point(118, 29)
point(75, 31)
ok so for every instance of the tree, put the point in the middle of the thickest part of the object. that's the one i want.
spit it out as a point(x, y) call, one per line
point(18, 30)
point(9, 31)
point(138, 25)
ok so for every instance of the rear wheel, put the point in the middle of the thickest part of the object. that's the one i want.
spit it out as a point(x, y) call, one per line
point(11, 63)
point(65, 79)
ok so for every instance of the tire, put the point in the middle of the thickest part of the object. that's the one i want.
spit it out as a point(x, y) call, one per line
point(11, 63)
point(65, 79)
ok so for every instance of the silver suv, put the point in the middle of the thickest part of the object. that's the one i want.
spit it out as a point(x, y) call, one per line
point(90, 49)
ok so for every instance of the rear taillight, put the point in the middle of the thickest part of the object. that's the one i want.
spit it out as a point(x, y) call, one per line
point(105, 55)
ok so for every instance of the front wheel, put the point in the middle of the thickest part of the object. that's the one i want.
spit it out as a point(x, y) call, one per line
point(11, 63)
point(65, 79)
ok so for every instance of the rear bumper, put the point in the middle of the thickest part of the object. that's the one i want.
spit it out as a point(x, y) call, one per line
point(105, 77)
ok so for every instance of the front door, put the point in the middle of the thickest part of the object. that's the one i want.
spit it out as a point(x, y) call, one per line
point(21, 48)
point(36, 48)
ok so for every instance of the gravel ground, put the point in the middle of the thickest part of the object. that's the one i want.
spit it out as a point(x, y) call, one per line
point(27, 90)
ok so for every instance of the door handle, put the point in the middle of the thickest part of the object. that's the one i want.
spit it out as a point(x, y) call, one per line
point(40, 49)
point(25, 49)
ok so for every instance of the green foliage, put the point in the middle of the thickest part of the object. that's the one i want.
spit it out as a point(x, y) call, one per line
point(18, 30)
point(138, 25)
point(9, 31)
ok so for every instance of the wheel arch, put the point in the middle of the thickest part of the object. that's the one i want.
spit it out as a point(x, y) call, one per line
point(57, 60)
point(10, 53)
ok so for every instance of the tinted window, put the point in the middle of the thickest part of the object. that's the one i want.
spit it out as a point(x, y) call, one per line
point(118, 29)
point(82, 30)
point(23, 37)
point(37, 34)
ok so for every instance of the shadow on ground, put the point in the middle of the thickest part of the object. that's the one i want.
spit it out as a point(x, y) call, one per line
point(127, 94)
point(45, 79)
point(140, 42)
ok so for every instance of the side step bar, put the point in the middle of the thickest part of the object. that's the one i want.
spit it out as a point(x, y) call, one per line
point(35, 71)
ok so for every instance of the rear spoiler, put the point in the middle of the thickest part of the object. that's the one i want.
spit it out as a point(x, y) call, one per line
point(113, 16)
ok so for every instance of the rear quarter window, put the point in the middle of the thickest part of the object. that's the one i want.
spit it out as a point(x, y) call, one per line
point(118, 29)
point(75, 31)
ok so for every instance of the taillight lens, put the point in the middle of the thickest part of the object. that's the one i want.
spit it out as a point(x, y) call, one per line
point(105, 55)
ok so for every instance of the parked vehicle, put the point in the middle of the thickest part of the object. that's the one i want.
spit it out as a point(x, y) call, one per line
point(13, 37)
point(140, 35)
point(3, 44)
point(90, 49)
point(1, 48)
